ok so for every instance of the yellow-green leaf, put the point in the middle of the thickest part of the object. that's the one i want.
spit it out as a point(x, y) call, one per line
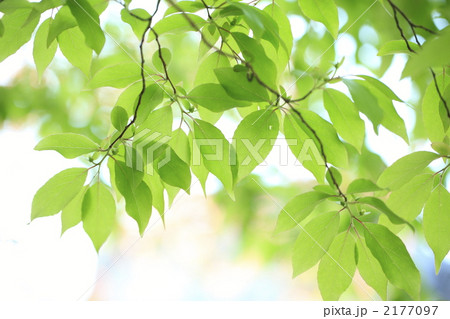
point(337, 267)
point(98, 213)
point(436, 223)
point(394, 259)
point(59, 190)
point(313, 241)
point(69, 145)
point(324, 11)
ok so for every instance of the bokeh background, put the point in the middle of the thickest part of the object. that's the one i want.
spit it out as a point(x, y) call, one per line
point(211, 248)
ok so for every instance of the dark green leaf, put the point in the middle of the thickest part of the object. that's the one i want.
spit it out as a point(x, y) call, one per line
point(89, 23)
point(173, 170)
point(213, 97)
point(241, 86)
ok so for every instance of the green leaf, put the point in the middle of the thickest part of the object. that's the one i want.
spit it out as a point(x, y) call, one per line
point(404, 169)
point(254, 138)
point(380, 86)
point(117, 76)
point(42, 54)
point(2, 28)
point(436, 223)
point(297, 209)
point(337, 267)
point(138, 26)
point(394, 259)
point(334, 149)
point(89, 23)
point(177, 23)
point(63, 20)
point(59, 190)
point(345, 117)
point(254, 53)
point(215, 152)
point(324, 11)
point(214, 97)
point(156, 59)
point(184, 6)
point(407, 201)
point(198, 167)
point(284, 26)
point(240, 85)
point(98, 213)
point(71, 214)
point(397, 46)
point(365, 101)
point(16, 33)
point(433, 54)
point(362, 185)
point(304, 148)
point(370, 270)
point(432, 120)
point(313, 241)
point(69, 145)
point(205, 73)
point(391, 120)
point(173, 170)
point(180, 144)
point(119, 118)
point(159, 121)
point(71, 43)
point(441, 147)
point(138, 197)
point(152, 97)
point(383, 208)
point(154, 183)
point(261, 23)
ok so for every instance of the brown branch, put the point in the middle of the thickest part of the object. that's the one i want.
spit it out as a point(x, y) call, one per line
point(144, 86)
point(322, 150)
point(413, 27)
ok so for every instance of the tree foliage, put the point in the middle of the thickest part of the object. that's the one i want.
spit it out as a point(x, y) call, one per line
point(202, 59)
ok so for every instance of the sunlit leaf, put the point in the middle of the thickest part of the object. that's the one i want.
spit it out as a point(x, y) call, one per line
point(436, 223)
point(69, 145)
point(313, 241)
point(59, 190)
point(98, 213)
point(393, 257)
point(337, 267)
